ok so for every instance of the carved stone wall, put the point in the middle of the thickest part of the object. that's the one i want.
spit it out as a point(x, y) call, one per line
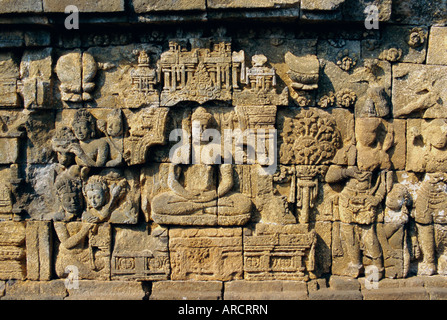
point(162, 143)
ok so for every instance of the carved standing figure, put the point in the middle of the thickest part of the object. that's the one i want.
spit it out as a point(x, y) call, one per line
point(359, 202)
point(358, 208)
point(431, 224)
point(392, 232)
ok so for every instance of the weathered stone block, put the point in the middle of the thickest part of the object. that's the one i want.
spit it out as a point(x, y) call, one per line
point(436, 281)
point(140, 254)
point(437, 293)
point(186, 290)
point(9, 150)
point(354, 10)
point(20, 6)
point(230, 4)
point(38, 250)
point(9, 76)
point(341, 283)
point(35, 290)
point(107, 290)
point(11, 39)
point(38, 38)
point(12, 250)
point(436, 46)
point(265, 290)
point(395, 294)
point(36, 77)
point(146, 6)
point(84, 6)
point(321, 4)
point(332, 294)
point(340, 288)
point(44, 203)
point(206, 254)
point(418, 90)
point(410, 42)
point(421, 12)
point(394, 289)
point(323, 254)
point(39, 127)
point(321, 10)
point(278, 253)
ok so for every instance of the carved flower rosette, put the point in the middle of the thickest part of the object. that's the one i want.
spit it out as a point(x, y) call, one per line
point(309, 139)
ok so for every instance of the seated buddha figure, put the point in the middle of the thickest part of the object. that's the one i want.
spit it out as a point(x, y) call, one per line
point(194, 198)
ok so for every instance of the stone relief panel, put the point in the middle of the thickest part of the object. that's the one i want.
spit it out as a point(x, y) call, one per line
point(140, 254)
point(309, 139)
point(419, 91)
point(206, 254)
point(37, 78)
point(407, 44)
point(356, 207)
point(362, 85)
point(126, 76)
point(144, 80)
point(380, 143)
point(198, 75)
point(273, 252)
point(151, 161)
point(146, 129)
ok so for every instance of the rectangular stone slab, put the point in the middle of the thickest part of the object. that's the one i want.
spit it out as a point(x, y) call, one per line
point(146, 6)
point(84, 6)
